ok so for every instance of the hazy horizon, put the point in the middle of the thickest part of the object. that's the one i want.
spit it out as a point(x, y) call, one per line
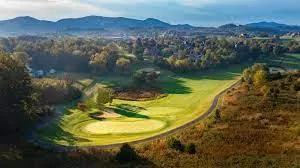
point(193, 12)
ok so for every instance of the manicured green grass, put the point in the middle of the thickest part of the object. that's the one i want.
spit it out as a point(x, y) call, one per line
point(188, 97)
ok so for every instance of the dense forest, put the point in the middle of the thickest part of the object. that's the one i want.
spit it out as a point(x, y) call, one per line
point(177, 53)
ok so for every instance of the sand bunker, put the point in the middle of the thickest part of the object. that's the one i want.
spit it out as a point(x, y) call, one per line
point(110, 127)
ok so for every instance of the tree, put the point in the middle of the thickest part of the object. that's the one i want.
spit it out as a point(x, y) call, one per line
point(190, 148)
point(260, 77)
point(267, 49)
point(218, 115)
point(105, 61)
point(278, 50)
point(23, 57)
point(17, 103)
point(166, 52)
point(175, 144)
point(143, 77)
point(247, 74)
point(123, 65)
point(271, 95)
point(296, 85)
point(138, 49)
point(126, 154)
point(104, 96)
point(130, 47)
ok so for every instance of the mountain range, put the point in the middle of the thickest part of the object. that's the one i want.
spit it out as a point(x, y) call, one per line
point(30, 25)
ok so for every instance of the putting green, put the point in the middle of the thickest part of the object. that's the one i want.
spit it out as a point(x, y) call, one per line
point(189, 96)
point(115, 127)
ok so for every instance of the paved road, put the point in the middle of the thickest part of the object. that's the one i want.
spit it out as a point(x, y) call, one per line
point(61, 148)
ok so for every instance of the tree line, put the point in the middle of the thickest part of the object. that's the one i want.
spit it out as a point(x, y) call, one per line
point(179, 54)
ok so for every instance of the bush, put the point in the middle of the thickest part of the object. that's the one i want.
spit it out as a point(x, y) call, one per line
point(296, 86)
point(126, 154)
point(190, 148)
point(276, 76)
point(175, 144)
point(104, 96)
point(82, 106)
point(217, 116)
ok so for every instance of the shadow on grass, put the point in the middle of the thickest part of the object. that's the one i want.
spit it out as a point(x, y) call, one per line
point(172, 85)
point(58, 134)
point(225, 72)
point(177, 84)
point(130, 111)
point(96, 116)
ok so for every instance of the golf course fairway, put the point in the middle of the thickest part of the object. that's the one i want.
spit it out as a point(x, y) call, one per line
point(189, 96)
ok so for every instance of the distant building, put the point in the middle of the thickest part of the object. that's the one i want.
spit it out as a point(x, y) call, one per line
point(52, 71)
point(39, 74)
point(244, 35)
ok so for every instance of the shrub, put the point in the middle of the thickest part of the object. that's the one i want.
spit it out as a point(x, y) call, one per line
point(104, 96)
point(190, 148)
point(217, 116)
point(260, 78)
point(175, 144)
point(289, 79)
point(296, 86)
point(126, 154)
point(82, 106)
point(47, 111)
point(276, 76)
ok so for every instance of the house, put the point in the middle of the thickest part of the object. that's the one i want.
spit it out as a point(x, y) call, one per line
point(39, 74)
point(52, 71)
point(244, 35)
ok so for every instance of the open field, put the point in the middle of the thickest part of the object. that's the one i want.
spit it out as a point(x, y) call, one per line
point(188, 97)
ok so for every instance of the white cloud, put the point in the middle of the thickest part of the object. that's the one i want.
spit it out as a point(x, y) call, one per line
point(173, 11)
point(191, 3)
point(50, 9)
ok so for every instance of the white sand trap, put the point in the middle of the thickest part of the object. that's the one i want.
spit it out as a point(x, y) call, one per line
point(109, 113)
point(110, 127)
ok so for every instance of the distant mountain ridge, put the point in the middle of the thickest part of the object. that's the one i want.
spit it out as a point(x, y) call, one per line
point(272, 27)
point(27, 24)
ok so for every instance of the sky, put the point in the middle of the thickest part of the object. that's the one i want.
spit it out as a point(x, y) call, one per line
point(194, 12)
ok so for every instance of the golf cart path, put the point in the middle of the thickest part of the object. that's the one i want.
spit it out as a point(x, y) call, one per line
point(213, 106)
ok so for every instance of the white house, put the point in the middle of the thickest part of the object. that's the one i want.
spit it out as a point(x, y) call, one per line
point(39, 73)
point(52, 71)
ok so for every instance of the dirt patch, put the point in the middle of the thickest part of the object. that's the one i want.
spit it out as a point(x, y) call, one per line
point(138, 94)
point(110, 114)
point(107, 113)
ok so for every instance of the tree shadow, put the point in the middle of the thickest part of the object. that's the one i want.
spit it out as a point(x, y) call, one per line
point(96, 116)
point(173, 85)
point(56, 133)
point(130, 111)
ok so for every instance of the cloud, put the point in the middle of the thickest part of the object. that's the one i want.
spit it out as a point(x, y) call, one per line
point(197, 12)
point(51, 9)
